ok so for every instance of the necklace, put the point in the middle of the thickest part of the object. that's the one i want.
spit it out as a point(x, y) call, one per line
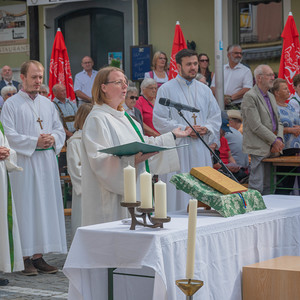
point(34, 112)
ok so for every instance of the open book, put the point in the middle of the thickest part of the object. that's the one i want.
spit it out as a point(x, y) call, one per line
point(136, 147)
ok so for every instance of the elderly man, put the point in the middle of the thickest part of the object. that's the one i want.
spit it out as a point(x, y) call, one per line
point(84, 81)
point(33, 129)
point(185, 89)
point(263, 131)
point(66, 109)
point(7, 74)
point(237, 78)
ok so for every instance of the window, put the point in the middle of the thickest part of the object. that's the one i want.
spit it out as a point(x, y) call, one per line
point(257, 28)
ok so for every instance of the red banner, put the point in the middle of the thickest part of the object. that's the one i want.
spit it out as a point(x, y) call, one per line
point(178, 44)
point(60, 70)
point(290, 55)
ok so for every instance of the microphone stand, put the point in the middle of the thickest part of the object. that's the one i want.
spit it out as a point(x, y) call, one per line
point(205, 144)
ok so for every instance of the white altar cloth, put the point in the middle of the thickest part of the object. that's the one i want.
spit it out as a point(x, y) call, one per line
point(223, 247)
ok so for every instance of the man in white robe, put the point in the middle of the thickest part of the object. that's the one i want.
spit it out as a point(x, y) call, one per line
point(10, 245)
point(33, 129)
point(186, 90)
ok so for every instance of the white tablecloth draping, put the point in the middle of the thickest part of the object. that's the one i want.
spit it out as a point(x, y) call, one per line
point(223, 247)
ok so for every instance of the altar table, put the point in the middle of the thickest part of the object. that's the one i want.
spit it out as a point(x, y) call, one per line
point(223, 247)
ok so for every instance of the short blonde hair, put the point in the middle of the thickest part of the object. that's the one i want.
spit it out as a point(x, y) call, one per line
point(25, 66)
point(98, 96)
point(156, 57)
point(81, 115)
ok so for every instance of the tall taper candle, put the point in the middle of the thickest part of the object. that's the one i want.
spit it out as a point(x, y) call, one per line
point(146, 190)
point(129, 184)
point(160, 196)
point(190, 259)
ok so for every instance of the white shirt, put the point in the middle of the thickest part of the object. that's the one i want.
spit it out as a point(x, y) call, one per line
point(296, 104)
point(235, 79)
point(84, 82)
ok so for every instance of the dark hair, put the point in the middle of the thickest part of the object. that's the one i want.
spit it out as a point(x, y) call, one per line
point(184, 53)
point(207, 71)
point(296, 80)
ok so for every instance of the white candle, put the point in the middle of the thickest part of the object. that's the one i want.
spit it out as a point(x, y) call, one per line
point(146, 190)
point(190, 259)
point(160, 196)
point(129, 184)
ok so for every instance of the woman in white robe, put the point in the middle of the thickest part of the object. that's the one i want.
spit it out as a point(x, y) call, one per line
point(11, 258)
point(107, 126)
point(74, 164)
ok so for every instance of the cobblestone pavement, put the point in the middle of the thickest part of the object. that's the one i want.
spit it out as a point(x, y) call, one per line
point(42, 286)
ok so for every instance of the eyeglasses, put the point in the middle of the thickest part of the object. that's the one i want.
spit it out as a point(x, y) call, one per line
point(119, 82)
point(87, 62)
point(204, 60)
point(162, 58)
point(134, 98)
point(151, 88)
point(268, 75)
point(10, 94)
point(237, 53)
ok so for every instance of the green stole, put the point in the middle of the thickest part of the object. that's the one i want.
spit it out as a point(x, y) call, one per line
point(140, 135)
point(9, 217)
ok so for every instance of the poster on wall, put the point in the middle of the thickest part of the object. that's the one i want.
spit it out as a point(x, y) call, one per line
point(13, 25)
point(115, 59)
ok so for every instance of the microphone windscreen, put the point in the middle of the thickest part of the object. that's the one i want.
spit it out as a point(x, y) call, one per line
point(163, 101)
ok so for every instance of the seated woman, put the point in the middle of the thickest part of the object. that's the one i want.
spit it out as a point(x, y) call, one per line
point(145, 104)
point(159, 68)
point(130, 102)
point(106, 126)
point(74, 164)
point(8, 91)
point(291, 122)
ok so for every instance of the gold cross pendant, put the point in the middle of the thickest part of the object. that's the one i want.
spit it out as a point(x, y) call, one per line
point(40, 121)
point(194, 117)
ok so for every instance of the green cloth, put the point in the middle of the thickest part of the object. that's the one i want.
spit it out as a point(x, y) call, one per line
point(226, 205)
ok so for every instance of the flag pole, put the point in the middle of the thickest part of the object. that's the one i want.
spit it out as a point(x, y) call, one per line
point(219, 73)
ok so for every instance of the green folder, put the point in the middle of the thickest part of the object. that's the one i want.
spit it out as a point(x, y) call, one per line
point(136, 147)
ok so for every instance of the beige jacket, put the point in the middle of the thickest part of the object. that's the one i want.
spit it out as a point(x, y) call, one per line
point(258, 136)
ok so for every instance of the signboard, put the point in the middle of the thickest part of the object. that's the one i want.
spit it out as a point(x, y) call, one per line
point(13, 24)
point(46, 2)
point(115, 59)
point(140, 61)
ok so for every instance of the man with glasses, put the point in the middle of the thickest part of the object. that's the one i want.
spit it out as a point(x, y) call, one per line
point(7, 74)
point(262, 129)
point(84, 81)
point(237, 78)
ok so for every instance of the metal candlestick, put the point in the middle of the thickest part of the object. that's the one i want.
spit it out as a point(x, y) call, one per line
point(145, 212)
point(189, 287)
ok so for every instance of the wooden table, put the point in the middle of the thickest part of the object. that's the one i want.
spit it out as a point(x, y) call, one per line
point(285, 161)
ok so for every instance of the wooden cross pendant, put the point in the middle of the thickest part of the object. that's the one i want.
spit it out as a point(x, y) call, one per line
point(40, 121)
point(194, 117)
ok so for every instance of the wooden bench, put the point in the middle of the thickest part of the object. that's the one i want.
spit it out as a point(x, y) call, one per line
point(285, 161)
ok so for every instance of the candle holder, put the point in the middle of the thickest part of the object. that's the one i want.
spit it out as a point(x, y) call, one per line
point(145, 212)
point(189, 287)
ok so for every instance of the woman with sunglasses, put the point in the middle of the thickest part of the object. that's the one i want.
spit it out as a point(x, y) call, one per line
point(204, 67)
point(108, 125)
point(129, 105)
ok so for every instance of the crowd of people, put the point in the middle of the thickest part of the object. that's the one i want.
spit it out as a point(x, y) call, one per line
point(258, 122)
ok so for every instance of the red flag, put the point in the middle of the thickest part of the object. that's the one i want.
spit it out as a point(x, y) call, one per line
point(178, 44)
point(60, 70)
point(290, 55)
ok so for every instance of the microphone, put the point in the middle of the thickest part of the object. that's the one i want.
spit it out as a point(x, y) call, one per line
point(178, 106)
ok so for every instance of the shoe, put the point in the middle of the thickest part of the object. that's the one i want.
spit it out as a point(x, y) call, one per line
point(29, 270)
point(43, 267)
point(3, 282)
